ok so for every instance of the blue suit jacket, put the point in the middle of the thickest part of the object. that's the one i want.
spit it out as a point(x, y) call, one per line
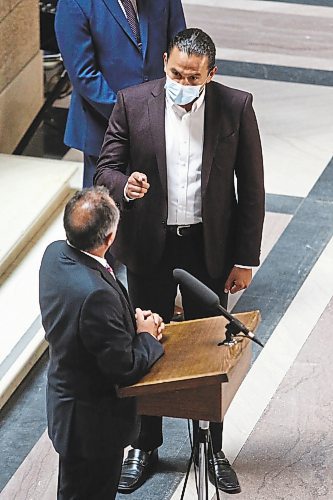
point(101, 56)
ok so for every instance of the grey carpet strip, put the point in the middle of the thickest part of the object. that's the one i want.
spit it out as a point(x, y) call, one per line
point(293, 256)
point(22, 420)
point(275, 72)
point(20, 346)
point(282, 204)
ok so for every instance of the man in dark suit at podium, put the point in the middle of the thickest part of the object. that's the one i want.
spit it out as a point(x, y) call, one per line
point(96, 342)
point(170, 157)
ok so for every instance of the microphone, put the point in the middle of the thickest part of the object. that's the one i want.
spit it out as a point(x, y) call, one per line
point(211, 300)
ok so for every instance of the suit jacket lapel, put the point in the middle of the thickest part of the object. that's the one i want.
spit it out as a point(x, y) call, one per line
point(218, 127)
point(94, 264)
point(115, 9)
point(119, 287)
point(143, 10)
point(213, 115)
point(124, 291)
point(156, 111)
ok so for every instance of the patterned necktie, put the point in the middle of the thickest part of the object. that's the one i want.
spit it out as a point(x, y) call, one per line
point(110, 270)
point(132, 19)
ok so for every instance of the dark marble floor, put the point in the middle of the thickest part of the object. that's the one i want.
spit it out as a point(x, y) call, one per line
point(22, 420)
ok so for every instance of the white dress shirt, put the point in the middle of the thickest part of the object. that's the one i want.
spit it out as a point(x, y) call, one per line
point(102, 261)
point(184, 137)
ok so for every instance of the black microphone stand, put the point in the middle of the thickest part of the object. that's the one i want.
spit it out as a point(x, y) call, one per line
point(231, 330)
point(203, 444)
point(234, 328)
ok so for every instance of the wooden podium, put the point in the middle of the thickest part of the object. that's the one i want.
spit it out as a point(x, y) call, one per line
point(195, 378)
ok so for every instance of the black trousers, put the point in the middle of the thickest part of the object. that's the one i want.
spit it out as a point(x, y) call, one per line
point(157, 291)
point(84, 479)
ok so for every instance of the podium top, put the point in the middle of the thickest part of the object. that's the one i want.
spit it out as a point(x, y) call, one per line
point(192, 356)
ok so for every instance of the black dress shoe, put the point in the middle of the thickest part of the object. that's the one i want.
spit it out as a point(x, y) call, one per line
point(225, 475)
point(136, 469)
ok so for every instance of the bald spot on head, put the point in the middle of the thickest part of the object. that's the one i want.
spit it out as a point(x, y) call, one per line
point(90, 216)
point(84, 211)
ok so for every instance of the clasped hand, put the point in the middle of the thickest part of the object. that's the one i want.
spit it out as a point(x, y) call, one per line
point(147, 321)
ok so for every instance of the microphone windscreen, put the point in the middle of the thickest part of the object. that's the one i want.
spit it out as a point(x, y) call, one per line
point(196, 288)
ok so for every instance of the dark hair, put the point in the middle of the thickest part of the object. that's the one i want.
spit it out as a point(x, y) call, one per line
point(195, 41)
point(89, 217)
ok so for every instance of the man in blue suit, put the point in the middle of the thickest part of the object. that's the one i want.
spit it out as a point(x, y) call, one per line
point(108, 45)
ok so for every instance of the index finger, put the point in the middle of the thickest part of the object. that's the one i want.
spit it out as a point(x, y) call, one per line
point(139, 313)
point(138, 176)
point(157, 318)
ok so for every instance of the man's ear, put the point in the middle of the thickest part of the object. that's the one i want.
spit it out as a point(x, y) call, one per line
point(211, 74)
point(165, 61)
point(110, 238)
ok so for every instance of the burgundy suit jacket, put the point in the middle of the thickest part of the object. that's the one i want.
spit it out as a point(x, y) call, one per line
point(232, 213)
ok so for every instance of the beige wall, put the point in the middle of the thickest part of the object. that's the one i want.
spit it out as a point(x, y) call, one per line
point(21, 70)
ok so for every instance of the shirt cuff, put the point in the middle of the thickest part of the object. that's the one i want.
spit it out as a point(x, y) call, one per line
point(126, 197)
point(245, 267)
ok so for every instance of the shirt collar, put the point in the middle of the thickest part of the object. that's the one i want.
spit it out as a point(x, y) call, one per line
point(101, 260)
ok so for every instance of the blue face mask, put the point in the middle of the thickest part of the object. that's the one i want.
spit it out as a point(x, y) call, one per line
point(181, 94)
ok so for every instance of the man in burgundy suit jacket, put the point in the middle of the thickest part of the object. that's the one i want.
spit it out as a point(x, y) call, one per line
point(171, 154)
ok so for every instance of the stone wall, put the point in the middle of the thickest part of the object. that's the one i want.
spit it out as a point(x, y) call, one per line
point(21, 70)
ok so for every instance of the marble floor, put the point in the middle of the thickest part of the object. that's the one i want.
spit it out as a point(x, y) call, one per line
point(278, 429)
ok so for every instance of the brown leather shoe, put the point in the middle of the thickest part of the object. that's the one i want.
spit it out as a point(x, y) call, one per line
point(226, 477)
point(136, 469)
